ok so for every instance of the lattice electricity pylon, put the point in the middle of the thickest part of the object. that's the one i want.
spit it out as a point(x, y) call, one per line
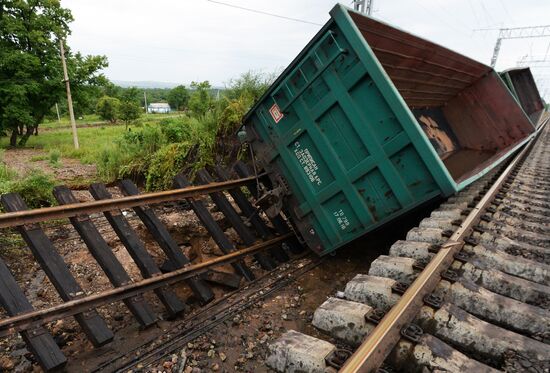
point(533, 62)
point(363, 6)
point(516, 33)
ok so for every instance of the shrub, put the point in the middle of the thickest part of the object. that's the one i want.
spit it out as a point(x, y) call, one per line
point(7, 175)
point(130, 155)
point(178, 97)
point(175, 129)
point(108, 108)
point(54, 157)
point(37, 158)
point(200, 101)
point(165, 165)
point(35, 188)
point(129, 111)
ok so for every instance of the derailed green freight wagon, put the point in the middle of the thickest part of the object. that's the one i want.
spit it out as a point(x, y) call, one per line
point(521, 83)
point(369, 122)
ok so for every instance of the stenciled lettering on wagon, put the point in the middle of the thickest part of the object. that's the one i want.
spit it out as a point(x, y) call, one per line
point(308, 163)
point(341, 219)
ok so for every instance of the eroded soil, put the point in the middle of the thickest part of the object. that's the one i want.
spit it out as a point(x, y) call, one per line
point(238, 344)
point(68, 170)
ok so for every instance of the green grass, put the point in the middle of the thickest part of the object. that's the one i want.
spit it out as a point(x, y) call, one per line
point(54, 157)
point(65, 121)
point(92, 142)
point(37, 158)
point(95, 119)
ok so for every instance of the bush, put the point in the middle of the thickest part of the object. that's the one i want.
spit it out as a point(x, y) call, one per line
point(7, 175)
point(155, 154)
point(108, 108)
point(175, 129)
point(200, 101)
point(35, 188)
point(165, 165)
point(178, 97)
point(129, 111)
point(54, 157)
point(130, 155)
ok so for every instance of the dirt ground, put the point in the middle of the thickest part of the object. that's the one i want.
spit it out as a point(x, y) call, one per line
point(69, 170)
point(40, 292)
point(238, 344)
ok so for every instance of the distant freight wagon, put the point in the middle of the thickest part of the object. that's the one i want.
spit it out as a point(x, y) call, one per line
point(521, 83)
point(369, 122)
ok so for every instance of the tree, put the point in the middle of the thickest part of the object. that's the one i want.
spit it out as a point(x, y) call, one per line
point(129, 111)
point(178, 97)
point(250, 86)
point(30, 66)
point(108, 108)
point(200, 101)
point(131, 94)
point(111, 90)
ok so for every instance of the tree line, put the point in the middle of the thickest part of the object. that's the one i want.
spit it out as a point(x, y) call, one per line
point(32, 83)
point(31, 76)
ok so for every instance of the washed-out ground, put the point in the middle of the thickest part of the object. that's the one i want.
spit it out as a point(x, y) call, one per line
point(67, 170)
point(238, 344)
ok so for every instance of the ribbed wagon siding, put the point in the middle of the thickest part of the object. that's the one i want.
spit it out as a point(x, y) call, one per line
point(521, 83)
point(366, 124)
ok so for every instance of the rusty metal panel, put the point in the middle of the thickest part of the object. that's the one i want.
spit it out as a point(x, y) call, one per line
point(523, 87)
point(426, 74)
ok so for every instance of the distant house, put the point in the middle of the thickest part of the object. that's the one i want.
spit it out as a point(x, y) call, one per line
point(158, 107)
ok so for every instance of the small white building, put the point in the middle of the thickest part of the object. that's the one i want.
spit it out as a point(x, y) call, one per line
point(158, 107)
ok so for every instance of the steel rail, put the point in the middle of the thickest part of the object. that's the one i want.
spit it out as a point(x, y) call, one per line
point(36, 318)
point(378, 344)
point(19, 218)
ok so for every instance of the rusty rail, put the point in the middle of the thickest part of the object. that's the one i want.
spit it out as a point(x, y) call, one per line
point(378, 345)
point(13, 219)
point(33, 319)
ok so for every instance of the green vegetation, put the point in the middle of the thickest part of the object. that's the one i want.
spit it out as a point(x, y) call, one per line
point(54, 157)
point(129, 112)
point(32, 80)
point(6, 174)
point(178, 98)
point(35, 187)
point(153, 150)
point(200, 101)
point(155, 154)
point(53, 123)
point(108, 108)
point(92, 140)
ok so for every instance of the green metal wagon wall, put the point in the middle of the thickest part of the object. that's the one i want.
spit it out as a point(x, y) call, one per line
point(369, 122)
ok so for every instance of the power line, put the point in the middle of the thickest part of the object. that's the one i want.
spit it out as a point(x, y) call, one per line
point(516, 33)
point(264, 13)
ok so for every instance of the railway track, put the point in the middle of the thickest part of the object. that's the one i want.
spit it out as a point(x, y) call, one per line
point(259, 244)
point(518, 199)
point(467, 291)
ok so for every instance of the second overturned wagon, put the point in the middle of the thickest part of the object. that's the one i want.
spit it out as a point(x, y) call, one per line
point(369, 122)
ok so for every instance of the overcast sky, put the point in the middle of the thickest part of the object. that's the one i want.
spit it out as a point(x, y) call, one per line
point(185, 40)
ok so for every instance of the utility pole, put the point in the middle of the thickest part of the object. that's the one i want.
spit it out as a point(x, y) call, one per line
point(69, 97)
point(57, 110)
point(145, 100)
point(516, 33)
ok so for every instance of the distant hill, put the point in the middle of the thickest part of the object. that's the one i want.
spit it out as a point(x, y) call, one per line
point(144, 84)
point(152, 84)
